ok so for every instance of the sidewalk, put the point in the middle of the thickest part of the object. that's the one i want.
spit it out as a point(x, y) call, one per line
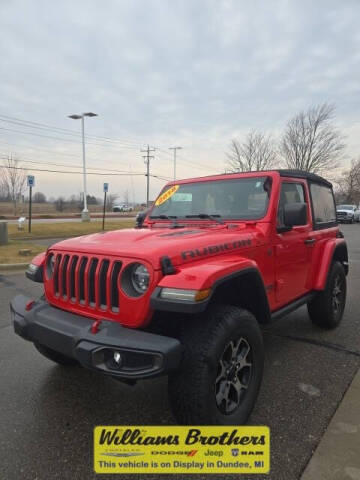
point(337, 456)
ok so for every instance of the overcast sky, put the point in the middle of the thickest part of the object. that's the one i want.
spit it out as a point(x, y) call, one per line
point(193, 73)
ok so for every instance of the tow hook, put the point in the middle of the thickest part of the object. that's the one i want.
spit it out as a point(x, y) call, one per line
point(95, 327)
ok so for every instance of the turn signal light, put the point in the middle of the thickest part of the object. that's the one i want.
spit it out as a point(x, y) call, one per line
point(202, 294)
point(184, 295)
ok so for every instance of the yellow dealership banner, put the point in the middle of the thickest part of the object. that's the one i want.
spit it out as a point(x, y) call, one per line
point(164, 197)
point(174, 449)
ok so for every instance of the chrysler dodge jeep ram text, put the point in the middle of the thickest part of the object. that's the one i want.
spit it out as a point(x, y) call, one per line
point(183, 294)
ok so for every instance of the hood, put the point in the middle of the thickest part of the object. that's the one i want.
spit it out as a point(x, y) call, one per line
point(342, 210)
point(181, 245)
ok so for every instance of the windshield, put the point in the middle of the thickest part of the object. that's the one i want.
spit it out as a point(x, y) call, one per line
point(345, 207)
point(241, 199)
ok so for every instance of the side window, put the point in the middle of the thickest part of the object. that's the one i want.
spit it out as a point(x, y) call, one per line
point(289, 193)
point(323, 204)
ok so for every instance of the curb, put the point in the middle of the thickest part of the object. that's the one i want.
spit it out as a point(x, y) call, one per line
point(337, 455)
point(13, 266)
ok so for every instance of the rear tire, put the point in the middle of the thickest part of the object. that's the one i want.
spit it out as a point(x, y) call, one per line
point(55, 356)
point(327, 308)
point(221, 371)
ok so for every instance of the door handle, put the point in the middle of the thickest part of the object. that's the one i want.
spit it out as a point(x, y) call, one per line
point(310, 241)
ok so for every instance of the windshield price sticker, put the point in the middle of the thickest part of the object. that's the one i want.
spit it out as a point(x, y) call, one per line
point(173, 449)
point(164, 197)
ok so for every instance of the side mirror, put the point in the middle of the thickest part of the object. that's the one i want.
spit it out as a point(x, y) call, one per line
point(140, 217)
point(294, 214)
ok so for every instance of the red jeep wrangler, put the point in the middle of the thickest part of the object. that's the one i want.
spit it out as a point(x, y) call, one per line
point(184, 293)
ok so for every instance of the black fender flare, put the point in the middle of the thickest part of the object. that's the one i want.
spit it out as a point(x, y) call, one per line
point(261, 308)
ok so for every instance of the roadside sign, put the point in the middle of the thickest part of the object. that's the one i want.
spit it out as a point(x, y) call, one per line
point(30, 181)
point(106, 187)
point(30, 184)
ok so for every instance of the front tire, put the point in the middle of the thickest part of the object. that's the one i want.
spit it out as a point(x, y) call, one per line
point(55, 356)
point(327, 308)
point(221, 372)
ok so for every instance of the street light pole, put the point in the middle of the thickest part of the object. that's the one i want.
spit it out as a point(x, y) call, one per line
point(85, 212)
point(85, 215)
point(175, 148)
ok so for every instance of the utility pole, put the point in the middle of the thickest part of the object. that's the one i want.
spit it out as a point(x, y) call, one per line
point(147, 158)
point(175, 148)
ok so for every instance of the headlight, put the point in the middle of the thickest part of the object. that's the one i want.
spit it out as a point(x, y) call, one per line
point(140, 278)
point(135, 279)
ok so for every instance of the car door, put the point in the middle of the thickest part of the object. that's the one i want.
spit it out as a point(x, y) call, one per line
point(292, 253)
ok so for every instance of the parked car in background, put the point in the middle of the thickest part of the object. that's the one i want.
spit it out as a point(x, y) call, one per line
point(346, 213)
point(357, 215)
point(122, 208)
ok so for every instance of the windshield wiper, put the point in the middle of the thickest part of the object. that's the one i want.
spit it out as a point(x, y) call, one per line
point(164, 217)
point(206, 215)
point(172, 219)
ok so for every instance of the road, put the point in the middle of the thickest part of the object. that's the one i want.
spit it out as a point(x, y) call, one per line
point(47, 412)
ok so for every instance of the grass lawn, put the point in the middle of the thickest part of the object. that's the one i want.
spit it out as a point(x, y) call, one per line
point(10, 253)
point(65, 229)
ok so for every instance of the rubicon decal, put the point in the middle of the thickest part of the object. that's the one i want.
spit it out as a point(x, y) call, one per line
point(175, 449)
point(221, 247)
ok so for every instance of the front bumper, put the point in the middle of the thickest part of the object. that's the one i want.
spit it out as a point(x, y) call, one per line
point(143, 354)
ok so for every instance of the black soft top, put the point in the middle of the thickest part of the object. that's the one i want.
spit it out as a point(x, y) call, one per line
point(312, 177)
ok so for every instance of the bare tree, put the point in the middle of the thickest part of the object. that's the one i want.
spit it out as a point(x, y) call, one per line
point(311, 142)
point(13, 180)
point(255, 152)
point(39, 197)
point(4, 194)
point(349, 184)
point(60, 204)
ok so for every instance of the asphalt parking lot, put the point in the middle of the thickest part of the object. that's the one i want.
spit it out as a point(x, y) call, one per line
point(47, 412)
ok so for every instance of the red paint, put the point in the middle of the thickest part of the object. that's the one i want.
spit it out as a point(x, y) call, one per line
point(289, 267)
point(39, 259)
point(95, 326)
point(29, 305)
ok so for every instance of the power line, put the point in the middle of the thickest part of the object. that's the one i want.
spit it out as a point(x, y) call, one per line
point(190, 162)
point(61, 138)
point(37, 162)
point(53, 152)
point(106, 141)
point(80, 173)
point(67, 131)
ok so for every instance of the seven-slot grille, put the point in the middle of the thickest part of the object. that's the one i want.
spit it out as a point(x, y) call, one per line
point(87, 280)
